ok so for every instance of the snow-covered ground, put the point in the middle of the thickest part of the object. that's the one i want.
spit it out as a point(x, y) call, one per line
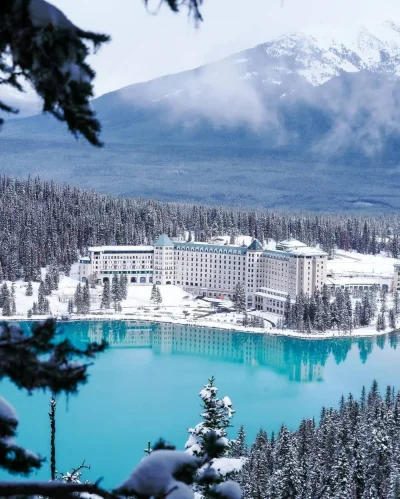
point(351, 261)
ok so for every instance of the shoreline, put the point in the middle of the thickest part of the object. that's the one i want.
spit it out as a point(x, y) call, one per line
point(359, 333)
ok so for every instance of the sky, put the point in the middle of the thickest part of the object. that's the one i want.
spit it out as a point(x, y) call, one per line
point(145, 46)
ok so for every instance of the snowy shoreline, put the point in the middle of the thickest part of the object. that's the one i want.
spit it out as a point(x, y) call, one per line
point(359, 333)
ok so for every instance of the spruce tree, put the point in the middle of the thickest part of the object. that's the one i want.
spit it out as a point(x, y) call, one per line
point(392, 319)
point(78, 299)
point(238, 447)
point(115, 290)
point(158, 297)
point(48, 285)
point(106, 297)
point(396, 302)
point(70, 306)
point(216, 415)
point(286, 312)
point(153, 293)
point(210, 436)
point(7, 311)
point(86, 299)
point(123, 283)
point(29, 289)
point(240, 298)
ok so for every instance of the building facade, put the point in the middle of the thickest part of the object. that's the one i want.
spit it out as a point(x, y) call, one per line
point(214, 270)
point(291, 269)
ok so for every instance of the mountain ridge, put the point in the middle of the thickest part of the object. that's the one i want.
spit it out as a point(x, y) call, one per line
point(241, 130)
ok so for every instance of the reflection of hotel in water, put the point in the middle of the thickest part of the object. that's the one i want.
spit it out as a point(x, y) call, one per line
point(253, 349)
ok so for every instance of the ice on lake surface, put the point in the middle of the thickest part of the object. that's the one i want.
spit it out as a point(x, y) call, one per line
point(147, 386)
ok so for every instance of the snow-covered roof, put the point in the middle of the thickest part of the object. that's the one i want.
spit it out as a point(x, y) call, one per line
point(291, 243)
point(304, 251)
point(163, 240)
point(120, 249)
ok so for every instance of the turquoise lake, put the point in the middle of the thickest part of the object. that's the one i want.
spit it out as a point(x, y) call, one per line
point(146, 386)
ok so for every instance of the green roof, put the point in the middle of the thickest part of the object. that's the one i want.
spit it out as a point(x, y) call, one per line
point(163, 240)
point(255, 246)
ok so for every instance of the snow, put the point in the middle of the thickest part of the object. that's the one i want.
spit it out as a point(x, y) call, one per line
point(225, 465)
point(323, 52)
point(44, 14)
point(229, 490)
point(154, 474)
point(7, 412)
point(357, 263)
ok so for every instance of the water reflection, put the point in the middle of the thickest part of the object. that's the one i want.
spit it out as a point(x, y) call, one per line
point(298, 360)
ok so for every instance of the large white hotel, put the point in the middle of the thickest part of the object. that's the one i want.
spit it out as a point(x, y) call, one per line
point(214, 270)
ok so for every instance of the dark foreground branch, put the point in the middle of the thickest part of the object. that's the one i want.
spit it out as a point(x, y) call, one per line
point(51, 489)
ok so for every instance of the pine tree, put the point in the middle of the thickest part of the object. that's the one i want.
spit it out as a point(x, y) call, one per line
point(70, 306)
point(86, 299)
point(78, 299)
point(48, 285)
point(158, 297)
point(240, 298)
point(29, 313)
point(29, 289)
point(286, 313)
point(34, 308)
point(123, 282)
point(396, 302)
point(239, 446)
point(392, 319)
point(210, 435)
point(153, 293)
point(7, 306)
point(106, 298)
point(216, 416)
point(115, 290)
point(13, 306)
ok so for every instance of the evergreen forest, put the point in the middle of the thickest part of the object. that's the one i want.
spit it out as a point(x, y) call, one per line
point(42, 223)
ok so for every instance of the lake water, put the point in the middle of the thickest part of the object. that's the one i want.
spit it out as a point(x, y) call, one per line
point(146, 386)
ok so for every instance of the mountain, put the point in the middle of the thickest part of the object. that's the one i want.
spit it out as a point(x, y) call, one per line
point(302, 121)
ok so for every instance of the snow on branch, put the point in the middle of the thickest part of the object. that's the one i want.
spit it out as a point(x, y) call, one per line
point(52, 489)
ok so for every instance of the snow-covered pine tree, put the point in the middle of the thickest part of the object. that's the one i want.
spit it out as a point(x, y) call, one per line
point(286, 313)
point(70, 306)
point(240, 298)
point(123, 283)
point(106, 297)
point(86, 299)
point(7, 311)
point(78, 299)
point(216, 417)
point(392, 319)
point(158, 297)
point(115, 290)
point(153, 293)
point(238, 447)
point(396, 302)
point(29, 289)
point(48, 285)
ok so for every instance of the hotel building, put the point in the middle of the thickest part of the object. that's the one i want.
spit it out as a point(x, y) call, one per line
point(214, 270)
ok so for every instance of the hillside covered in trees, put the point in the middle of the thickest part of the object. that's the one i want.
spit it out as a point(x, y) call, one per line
point(42, 223)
